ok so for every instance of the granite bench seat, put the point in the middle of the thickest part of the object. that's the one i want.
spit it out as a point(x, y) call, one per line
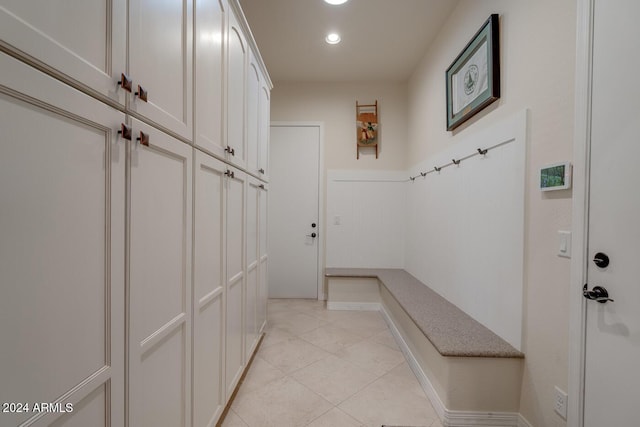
point(451, 331)
point(470, 374)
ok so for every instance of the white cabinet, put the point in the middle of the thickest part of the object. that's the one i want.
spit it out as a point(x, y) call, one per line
point(258, 120)
point(263, 274)
point(208, 295)
point(253, 112)
point(264, 121)
point(96, 228)
point(62, 211)
point(84, 40)
point(209, 84)
point(236, 92)
point(160, 61)
point(235, 279)
point(159, 279)
point(257, 260)
point(251, 322)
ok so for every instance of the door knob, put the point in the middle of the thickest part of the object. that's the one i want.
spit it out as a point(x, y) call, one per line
point(598, 293)
point(312, 235)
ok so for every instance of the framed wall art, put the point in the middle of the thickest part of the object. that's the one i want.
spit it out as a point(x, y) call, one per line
point(473, 79)
point(366, 127)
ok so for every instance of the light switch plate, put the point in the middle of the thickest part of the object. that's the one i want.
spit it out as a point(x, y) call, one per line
point(564, 244)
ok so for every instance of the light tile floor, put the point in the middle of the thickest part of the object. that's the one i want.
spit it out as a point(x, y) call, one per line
point(319, 368)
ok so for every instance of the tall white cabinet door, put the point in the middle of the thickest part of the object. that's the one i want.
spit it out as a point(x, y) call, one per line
point(62, 184)
point(253, 111)
point(159, 280)
point(208, 293)
point(236, 92)
point(160, 61)
point(264, 122)
point(209, 84)
point(83, 40)
point(251, 323)
point(235, 219)
point(263, 258)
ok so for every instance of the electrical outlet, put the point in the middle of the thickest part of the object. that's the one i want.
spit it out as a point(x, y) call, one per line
point(560, 403)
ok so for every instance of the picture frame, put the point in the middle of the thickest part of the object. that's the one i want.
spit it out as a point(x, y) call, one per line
point(473, 78)
point(556, 176)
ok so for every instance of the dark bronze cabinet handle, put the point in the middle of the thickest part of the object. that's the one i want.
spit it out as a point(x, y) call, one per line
point(125, 132)
point(141, 93)
point(261, 170)
point(143, 138)
point(125, 82)
point(230, 174)
point(230, 150)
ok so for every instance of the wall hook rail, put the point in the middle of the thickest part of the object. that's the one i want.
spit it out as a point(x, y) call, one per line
point(479, 151)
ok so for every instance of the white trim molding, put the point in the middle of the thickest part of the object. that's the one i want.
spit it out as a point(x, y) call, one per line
point(581, 159)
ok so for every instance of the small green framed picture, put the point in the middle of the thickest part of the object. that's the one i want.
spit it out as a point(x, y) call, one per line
point(555, 177)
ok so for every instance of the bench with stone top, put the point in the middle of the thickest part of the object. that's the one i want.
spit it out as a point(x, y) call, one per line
point(469, 373)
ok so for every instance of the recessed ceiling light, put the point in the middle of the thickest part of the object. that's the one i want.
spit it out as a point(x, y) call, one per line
point(335, 1)
point(332, 38)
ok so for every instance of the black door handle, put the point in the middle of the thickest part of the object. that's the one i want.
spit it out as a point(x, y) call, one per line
point(598, 293)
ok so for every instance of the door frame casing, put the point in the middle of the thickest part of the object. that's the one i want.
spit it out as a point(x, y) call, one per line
point(580, 207)
point(321, 195)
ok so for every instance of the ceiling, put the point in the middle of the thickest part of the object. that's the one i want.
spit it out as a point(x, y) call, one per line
point(382, 40)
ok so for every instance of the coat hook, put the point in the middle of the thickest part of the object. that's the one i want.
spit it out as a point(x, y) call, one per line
point(437, 168)
point(483, 152)
point(455, 162)
point(423, 174)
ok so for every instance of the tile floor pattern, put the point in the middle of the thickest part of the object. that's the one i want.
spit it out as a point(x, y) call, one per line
point(320, 368)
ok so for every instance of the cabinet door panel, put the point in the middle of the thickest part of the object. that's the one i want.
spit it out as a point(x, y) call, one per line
point(251, 328)
point(263, 288)
point(208, 345)
point(160, 59)
point(264, 132)
point(62, 247)
point(90, 50)
point(236, 91)
point(159, 280)
point(235, 221)
point(209, 38)
point(253, 111)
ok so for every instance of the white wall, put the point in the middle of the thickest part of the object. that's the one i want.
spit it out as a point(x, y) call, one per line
point(334, 104)
point(537, 45)
point(365, 219)
point(465, 226)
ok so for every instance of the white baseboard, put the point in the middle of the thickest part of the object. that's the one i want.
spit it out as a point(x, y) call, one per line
point(448, 417)
point(522, 421)
point(359, 306)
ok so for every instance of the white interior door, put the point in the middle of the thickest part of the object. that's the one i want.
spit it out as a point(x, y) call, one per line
point(293, 229)
point(612, 377)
